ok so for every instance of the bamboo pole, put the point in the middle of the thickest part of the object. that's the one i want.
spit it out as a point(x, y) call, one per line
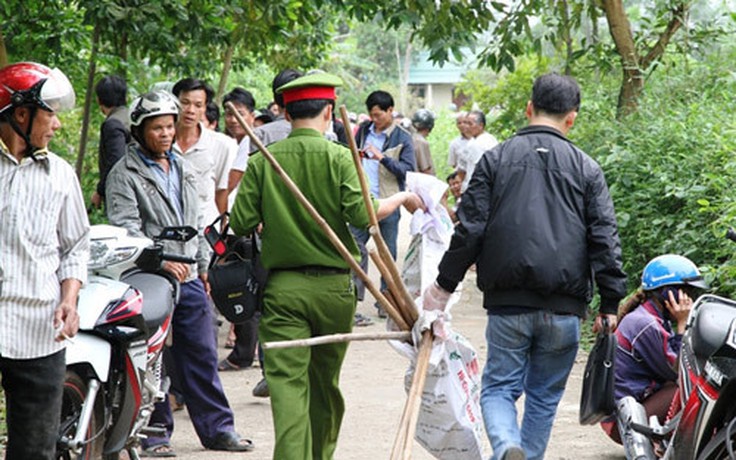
point(390, 283)
point(403, 442)
point(334, 239)
point(403, 299)
point(339, 338)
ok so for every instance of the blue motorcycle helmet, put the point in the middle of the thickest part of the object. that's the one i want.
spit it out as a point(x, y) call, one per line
point(671, 270)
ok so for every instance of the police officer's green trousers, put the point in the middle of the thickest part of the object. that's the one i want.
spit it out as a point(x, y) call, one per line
point(306, 402)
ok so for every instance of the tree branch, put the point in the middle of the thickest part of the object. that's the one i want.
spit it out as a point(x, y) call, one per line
point(678, 13)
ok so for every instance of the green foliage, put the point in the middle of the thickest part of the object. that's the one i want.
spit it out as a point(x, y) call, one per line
point(445, 130)
point(503, 96)
point(670, 168)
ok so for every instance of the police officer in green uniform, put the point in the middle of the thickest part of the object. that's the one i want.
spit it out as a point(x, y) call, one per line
point(309, 291)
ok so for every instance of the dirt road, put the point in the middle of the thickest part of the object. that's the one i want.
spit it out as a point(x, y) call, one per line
point(372, 383)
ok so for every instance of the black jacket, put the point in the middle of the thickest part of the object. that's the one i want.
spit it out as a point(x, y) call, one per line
point(538, 221)
point(114, 140)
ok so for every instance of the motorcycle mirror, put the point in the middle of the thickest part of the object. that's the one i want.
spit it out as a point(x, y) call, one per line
point(183, 233)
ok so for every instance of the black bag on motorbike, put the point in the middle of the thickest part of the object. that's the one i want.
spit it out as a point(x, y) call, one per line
point(234, 286)
point(597, 398)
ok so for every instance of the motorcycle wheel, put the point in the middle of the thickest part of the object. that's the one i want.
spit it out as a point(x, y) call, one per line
point(723, 444)
point(75, 390)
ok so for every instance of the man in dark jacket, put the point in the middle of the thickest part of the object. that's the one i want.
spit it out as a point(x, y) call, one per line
point(387, 152)
point(111, 94)
point(538, 221)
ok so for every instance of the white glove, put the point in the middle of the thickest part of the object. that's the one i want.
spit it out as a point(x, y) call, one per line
point(435, 298)
point(437, 320)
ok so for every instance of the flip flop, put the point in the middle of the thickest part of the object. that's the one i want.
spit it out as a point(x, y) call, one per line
point(231, 442)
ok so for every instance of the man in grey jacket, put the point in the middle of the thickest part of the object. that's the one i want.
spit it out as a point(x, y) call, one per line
point(538, 221)
point(149, 189)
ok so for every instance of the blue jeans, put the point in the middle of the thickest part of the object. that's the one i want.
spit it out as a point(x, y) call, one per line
point(389, 227)
point(530, 353)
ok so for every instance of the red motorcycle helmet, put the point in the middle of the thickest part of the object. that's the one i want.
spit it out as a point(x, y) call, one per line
point(32, 84)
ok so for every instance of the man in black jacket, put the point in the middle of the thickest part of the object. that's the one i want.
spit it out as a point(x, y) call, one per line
point(115, 130)
point(538, 221)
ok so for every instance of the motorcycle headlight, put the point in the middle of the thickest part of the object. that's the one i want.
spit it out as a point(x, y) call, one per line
point(101, 255)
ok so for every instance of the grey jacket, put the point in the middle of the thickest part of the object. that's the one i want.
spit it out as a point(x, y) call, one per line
point(136, 202)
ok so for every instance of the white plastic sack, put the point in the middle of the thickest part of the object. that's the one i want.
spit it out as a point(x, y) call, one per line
point(432, 232)
point(450, 424)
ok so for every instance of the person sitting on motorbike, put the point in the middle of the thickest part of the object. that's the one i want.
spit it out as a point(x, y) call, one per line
point(646, 356)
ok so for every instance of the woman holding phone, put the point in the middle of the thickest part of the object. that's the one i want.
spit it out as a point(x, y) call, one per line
point(649, 335)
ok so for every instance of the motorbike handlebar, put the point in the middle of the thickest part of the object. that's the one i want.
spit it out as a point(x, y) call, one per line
point(177, 258)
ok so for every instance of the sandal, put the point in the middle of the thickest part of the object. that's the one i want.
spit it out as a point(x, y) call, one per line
point(226, 365)
point(231, 442)
point(159, 450)
point(361, 320)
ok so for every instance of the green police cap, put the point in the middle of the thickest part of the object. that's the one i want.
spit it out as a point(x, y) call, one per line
point(314, 86)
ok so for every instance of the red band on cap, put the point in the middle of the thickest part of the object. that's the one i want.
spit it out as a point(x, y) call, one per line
point(309, 92)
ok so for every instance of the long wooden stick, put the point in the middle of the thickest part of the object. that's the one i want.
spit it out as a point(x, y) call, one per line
point(338, 338)
point(390, 284)
point(334, 239)
point(403, 299)
point(404, 441)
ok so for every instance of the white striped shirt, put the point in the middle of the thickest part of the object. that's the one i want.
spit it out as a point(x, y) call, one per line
point(44, 239)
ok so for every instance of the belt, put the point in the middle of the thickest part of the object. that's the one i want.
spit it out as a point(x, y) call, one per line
point(315, 270)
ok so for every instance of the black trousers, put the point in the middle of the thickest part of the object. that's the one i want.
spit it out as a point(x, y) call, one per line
point(33, 390)
point(246, 339)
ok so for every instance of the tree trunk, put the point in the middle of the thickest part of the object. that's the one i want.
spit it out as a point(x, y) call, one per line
point(227, 63)
point(88, 99)
point(632, 83)
point(403, 64)
point(566, 35)
point(3, 50)
point(634, 66)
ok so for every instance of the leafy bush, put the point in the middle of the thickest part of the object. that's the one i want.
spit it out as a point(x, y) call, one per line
point(669, 168)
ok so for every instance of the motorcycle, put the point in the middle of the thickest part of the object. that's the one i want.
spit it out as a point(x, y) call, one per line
point(114, 363)
point(702, 425)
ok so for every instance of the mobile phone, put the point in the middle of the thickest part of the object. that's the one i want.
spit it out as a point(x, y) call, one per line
point(675, 293)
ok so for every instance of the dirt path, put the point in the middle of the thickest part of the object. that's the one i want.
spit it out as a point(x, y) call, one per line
point(372, 383)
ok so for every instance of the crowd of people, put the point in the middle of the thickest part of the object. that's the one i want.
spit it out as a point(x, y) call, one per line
point(532, 213)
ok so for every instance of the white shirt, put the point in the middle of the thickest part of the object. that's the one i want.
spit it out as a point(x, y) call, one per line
point(472, 153)
point(240, 164)
point(210, 159)
point(456, 146)
point(241, 159)
point(44, 239)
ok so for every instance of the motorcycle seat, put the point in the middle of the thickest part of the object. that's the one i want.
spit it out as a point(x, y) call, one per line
point(711, 325)
point(158, 297)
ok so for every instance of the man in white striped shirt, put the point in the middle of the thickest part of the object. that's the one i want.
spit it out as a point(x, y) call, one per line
point(44, 247)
